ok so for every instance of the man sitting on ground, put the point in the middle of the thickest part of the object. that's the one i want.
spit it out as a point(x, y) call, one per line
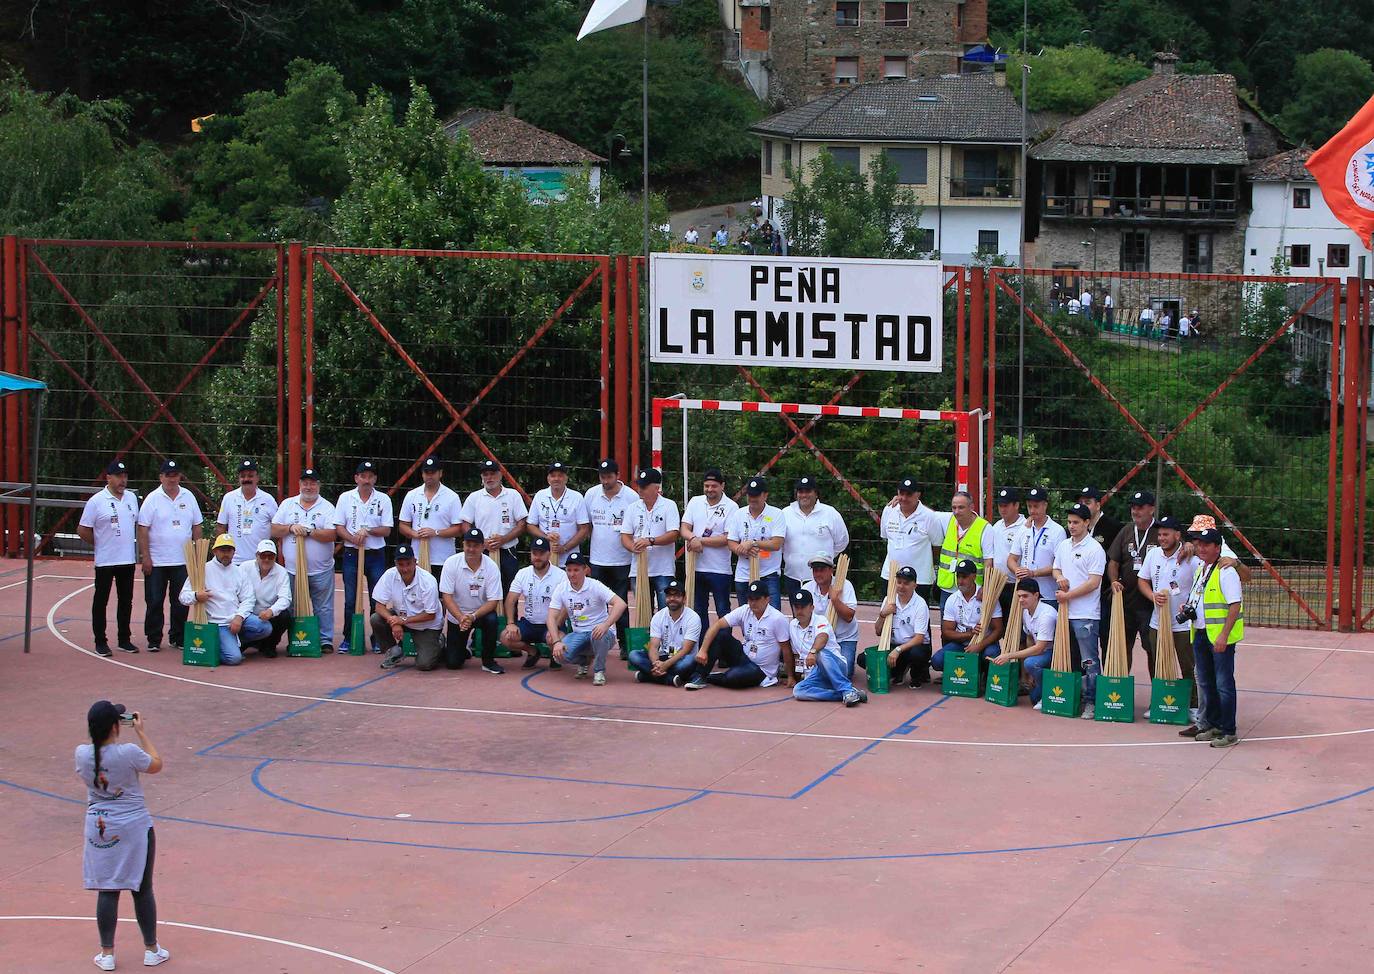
point(470, 589)
point(271, 597)
point(407, 602)
point(674, 633)
point(845, 603)
point(910, 631)
point(827, 671)
point(1038, 622)
point(537, 582)
point(593, 610)
point(228, 599)
point(753, 659)
point(959, 624)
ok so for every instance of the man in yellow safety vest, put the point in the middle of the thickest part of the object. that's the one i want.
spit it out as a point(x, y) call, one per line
point(963, 538)
point(1218, 619)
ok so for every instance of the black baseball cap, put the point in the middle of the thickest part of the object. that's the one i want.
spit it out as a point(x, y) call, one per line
point(907, 573)
point(802, 597)
point(805, 483)
point(1170, 522)
point(576, 558)
point(1207, 534)
point(756, 486)
point(170, 466)
point(1081, 510)
point(1028, 585)
point(433, 462)
point(714, 474)
point(116, 466)
point(405, 553)
point(1092, 492)
point(908, 485)
point(309, 473)
point(1037, 494)
point(608, 466)
point(246, 466)
point(489, 466)
point(366, 466)
point(1008, 495)
point(965, 567)
point(756, 590)
point(558, 466)
point(540, 544)
point(1142, 497)
point(102, 716)
point(675, 586)
point(649, 476)
point(474, 534)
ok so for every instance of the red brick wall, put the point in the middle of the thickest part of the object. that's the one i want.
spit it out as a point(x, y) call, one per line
point(974, 29)
point(752, 35)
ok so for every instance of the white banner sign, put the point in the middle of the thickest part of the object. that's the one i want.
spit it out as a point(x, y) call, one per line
point(802, 312)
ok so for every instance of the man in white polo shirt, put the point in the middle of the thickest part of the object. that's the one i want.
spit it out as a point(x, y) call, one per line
point(407, 602)
point(674, 633)
point(271, 597)
point(470, 588)
point(228, 598)
point(704, 533)
point(821, 585)
point(810, 528)
point(760, 657)
point(1078, 566)
point(168, 518)
point(1033, 548)
point(308, 519)
point(818, 655)
point(908, 529)
point(245, 513)
point(651, 526)
point(559, 514)
point(961, 618)
point(592, 609)
point(609, 561)
point(363, 517)
point(536, 583)
point(109, 523)
point(1039, 620)
point(432, 511)
point(757, 529)
point(500, 514)
point(910, 652)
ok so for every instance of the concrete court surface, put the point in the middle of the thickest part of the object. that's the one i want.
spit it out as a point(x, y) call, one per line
point(326, 816)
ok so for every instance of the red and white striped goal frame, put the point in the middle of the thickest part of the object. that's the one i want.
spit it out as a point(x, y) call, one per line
point(968, 427)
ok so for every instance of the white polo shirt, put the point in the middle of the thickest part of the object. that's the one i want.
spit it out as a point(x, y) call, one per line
point(1040, 626)
point(559, 517)
point(354, 514)
point(1076, 560)
point(271, 591)
point(442, 511)
point(743, 526)
point(804, 638)
point(998, 539)
point(471, 588)
point(710, 521)
point(319, 555)
point(114, 522)
point(248, 521)
point(421, 595)
point(1036, 547)
point(912, 618)
point(537, 591)
point(672, 634)
point(587, 607)
point(496, 514)
point(641, 522)
point(762, 637)
point(1168, 572)
point(844, 631)
point(607, 515)
point(823, 530)
point(169, 521)
point(966, 613)
point(231, 593)
point(909, 537)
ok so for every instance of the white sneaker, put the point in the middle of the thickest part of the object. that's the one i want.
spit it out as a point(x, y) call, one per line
point(104, 961)
point(599, 680)
point(152, 958)
point(1037, 704)
point(1147, 715)
point(1088, 712)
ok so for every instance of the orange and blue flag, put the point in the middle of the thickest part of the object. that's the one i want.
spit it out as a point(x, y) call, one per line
point(1344, 169)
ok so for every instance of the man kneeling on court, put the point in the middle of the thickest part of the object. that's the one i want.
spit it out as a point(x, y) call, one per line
point(228, 598)
point(823, 659)
point(593, 609)
point(1038, 623)
point(537, 582)
point(407, 602)
point(910, 631)
point(960, 629)
point(751, 661)
point(674, 633)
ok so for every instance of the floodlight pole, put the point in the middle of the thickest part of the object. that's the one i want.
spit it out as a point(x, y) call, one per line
point(1021, 300)
point(648, 303)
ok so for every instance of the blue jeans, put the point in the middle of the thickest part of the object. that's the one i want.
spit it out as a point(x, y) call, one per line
point(1085, 633)
point(374, 563)
point(1032, 667)
point(712, 587)
point(230, 645)
point(770, 582)
point(850, 648)
point(639, 660)
point(321, 604)
point(1216, 683)
point(826, 681)
point(582, 649)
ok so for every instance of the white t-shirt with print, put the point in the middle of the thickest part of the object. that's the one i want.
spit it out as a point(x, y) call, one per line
point(471, 588)
point(711, 521)
point(114, 523)
point(586, 607)
point(355, 514)
point(169, 521)
point(912, 618)
point(319, 555)
point(804, 639)
point(537, 591)
point(249, 521)
point(1036, 547)
point(743, 526)
point(442, 511)
point(495, 514)
point(762, 637)
point(844, 631)
point(607, 515)
point(559, 517)
point(672, 633)
point(421, 595)
point(1169, 572)
point(640, 522)
point(1076, 560)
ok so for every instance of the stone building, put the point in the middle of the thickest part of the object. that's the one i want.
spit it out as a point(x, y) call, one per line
point(545, 162)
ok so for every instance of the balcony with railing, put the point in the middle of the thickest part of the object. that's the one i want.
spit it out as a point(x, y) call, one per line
point(984, 187)
point(1128, 208)
point(1140, 192)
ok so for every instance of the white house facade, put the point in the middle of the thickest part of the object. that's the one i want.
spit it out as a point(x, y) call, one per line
point(1289, 219)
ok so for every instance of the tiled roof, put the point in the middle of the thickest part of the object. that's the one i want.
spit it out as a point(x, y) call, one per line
point(500, 139)
point(1281, 168)
point(950, 108)
point(1165, 118)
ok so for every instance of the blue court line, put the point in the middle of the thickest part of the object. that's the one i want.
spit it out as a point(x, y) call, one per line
point(257, 782)
point(624, 857)
point(525, 683)
point(903, 728)
point(35, 630)
point(334, 694)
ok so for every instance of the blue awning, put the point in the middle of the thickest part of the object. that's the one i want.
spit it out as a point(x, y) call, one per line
point(17, 383)
point(984, 54)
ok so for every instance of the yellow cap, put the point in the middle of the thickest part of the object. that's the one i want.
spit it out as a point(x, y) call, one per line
point(225, 541)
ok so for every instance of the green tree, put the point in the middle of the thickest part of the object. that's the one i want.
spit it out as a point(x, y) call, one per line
point(836, 211)
point(1073, 79)
point(1329, 86)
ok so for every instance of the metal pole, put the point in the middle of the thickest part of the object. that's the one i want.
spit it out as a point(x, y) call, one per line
point(686, 488)
point(33, 519)
point(1160, 433)
point(648, 303)
point(1021, 304)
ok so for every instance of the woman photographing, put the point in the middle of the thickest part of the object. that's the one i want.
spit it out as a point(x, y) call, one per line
point(119, 842)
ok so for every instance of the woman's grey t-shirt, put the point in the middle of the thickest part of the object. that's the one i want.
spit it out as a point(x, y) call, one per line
point(120, 765)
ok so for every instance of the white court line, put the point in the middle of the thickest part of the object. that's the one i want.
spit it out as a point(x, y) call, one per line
point(229, 933)
point(349, 702)
point(25, 581)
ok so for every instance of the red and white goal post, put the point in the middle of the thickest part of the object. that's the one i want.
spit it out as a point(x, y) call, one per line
point(969, 433)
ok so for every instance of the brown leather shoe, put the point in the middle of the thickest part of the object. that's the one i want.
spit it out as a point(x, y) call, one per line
point(1192, 730)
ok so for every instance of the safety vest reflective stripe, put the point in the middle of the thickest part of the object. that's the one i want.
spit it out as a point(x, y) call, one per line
point(954, 547)
point(1215, 610)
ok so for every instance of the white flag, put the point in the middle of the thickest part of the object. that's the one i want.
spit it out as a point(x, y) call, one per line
point(606, 14)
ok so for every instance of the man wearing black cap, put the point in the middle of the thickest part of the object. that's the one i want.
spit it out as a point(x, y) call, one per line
point(651, 526)
point(500, 514)
point(407, 601)
point(245, 513)
point(759, 658)
point(109, 523)
point(961, 619)
point(704, 525)
point(674, 633)
point(1217, 632)
point(168, 518)
point(470, 588)
point(592, 609)
point(1000, 538)
point(363, 517)
point(827, 596)
point(910, 613)
point(1166, 579)
point(757, 529)
point(1125, 558)
point(908, 529)
point(1104, 528)
point(610, 562)
point(537, 582)
point(818, 655)
point(810, 527)
point(1078, 566)
point(433, 511)
point(559, 514)
point(308, 519)
point(1038, 623)
point(1032, 553)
